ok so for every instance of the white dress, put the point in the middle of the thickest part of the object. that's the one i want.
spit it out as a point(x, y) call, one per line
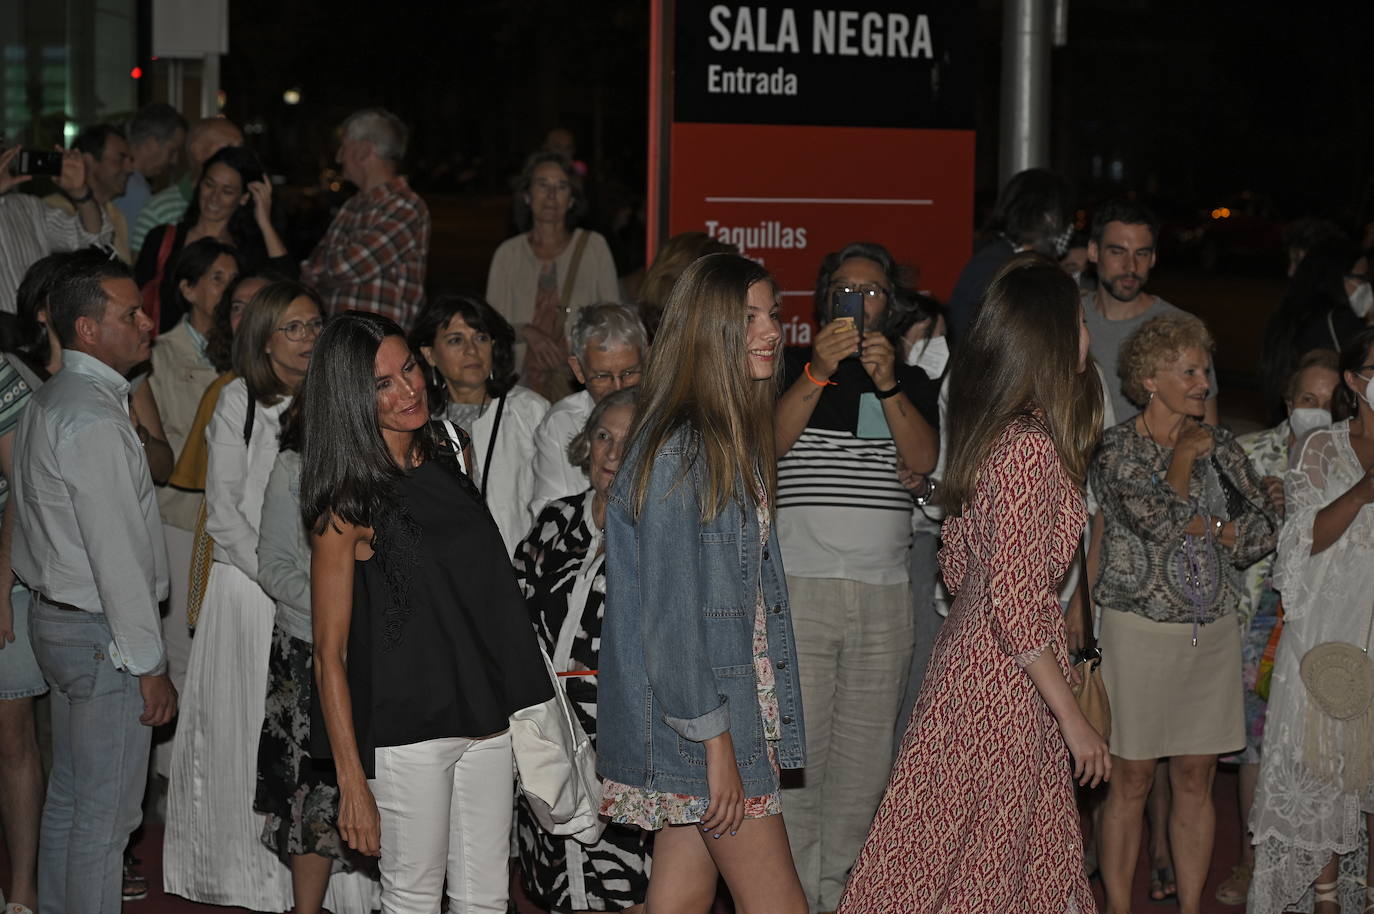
point(213, 851)
point(1298, 819)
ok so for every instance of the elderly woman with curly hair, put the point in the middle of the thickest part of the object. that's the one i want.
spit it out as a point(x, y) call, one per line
point(1184, 511)
point(550, 269)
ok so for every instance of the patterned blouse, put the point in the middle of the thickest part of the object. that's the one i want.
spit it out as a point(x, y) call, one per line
point(1145, 552)
point(1268, 453)
point(14, 395)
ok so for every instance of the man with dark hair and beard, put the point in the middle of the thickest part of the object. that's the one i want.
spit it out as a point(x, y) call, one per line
point(1122, 246)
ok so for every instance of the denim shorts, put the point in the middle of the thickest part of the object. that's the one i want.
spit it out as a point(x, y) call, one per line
point(20, 676)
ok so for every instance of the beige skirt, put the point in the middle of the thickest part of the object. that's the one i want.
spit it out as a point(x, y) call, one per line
point(1168, 697)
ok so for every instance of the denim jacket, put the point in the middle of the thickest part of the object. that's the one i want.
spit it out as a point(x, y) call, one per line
point(676, 662)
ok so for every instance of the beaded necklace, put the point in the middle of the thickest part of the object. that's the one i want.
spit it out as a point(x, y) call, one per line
point(1193, 579)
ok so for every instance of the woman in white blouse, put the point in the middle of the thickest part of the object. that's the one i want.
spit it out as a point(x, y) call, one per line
point(1314, 806)
point(213, 851)
point(469, 356)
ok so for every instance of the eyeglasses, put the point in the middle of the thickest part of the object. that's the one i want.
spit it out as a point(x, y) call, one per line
point(868, 290)
point(628, 378)
point(295, 331)
point(560, 187)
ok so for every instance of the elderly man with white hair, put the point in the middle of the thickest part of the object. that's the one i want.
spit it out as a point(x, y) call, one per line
point(609, 348)
point(373, 256)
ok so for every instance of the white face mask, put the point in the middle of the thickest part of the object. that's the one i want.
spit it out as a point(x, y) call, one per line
point(931, 356)
point(1368, 394)
point(1362, 299)
point(1306, 418)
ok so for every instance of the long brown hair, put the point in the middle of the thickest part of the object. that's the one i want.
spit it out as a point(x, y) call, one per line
point(1020, 357)
point(698, 376)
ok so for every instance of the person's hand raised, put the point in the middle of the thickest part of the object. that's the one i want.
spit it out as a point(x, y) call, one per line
point(836, 341)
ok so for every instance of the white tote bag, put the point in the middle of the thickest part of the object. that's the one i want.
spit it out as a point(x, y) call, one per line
point(554, 760)
point(557, 766)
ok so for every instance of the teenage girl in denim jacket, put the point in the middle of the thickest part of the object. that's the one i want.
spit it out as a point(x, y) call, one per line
point(698, 702)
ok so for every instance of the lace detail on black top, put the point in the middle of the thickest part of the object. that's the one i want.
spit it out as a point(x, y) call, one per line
point(396, 543)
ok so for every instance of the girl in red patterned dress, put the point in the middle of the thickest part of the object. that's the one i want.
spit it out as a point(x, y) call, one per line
point(979, 813)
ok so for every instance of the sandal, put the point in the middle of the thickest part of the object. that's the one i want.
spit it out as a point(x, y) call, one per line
point(1326, 893)
point(1236, 887)
point(1163, 885)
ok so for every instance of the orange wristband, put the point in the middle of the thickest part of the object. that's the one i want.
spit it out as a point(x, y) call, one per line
point(807, 369)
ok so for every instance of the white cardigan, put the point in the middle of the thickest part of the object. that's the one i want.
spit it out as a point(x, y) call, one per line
point(512, 464)
point(236, 479)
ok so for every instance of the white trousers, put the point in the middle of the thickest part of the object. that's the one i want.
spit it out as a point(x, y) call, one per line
point(446, 810)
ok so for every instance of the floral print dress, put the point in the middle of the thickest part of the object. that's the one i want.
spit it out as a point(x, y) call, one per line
point(653, 809)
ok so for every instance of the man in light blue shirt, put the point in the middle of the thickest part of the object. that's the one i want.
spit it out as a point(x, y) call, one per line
point(88, 543)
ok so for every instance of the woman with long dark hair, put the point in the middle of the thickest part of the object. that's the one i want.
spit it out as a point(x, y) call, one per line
point(698, 706)
point(979, 814)
point(423, 647)
point(232, 203)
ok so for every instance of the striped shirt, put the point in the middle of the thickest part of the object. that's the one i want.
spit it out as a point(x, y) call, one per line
point(841, 511)
point(166, 206)
point(31, 230)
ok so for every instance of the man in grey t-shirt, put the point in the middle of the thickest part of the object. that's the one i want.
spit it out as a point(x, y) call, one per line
point(1123, 247)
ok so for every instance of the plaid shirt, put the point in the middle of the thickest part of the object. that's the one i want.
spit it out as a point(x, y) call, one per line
point(373, 256)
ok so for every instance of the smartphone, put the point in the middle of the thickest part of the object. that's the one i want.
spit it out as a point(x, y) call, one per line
point(849, 307)
point(38, 162)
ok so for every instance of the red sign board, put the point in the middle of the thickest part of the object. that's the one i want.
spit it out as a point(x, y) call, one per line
point(787, 196)
point(833, 126)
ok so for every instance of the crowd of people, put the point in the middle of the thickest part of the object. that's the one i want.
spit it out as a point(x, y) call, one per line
point(295, 534)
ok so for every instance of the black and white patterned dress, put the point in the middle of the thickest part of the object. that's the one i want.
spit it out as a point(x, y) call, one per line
point(558, 564)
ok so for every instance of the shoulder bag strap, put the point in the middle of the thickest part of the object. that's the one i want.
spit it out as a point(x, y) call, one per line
point(249, 415)
point(568, 281)
point(457, 442)
point(1089, 629)
point(491, 444)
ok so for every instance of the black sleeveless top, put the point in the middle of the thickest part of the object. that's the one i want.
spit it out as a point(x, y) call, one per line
point(440, 643)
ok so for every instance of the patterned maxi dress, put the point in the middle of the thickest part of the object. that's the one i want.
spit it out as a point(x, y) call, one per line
point(979, 813)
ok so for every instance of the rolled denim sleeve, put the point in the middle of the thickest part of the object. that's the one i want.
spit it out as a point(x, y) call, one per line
point(671, 593)
point(103, 483)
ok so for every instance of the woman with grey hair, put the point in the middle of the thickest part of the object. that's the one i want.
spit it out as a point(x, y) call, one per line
point(561, 568)
point(609, 348)
point(1184, 511)
point(538, 277)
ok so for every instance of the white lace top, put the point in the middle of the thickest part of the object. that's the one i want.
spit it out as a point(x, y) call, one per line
point(1298, 819)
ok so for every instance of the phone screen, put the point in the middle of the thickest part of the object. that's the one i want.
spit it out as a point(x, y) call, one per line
point(38, 162)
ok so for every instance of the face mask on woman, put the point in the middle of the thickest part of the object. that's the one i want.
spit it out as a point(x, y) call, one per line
point(1306, 418)
point(1362, 299)
point(930, 355)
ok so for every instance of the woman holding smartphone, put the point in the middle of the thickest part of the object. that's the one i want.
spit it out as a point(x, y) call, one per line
point(698, 705)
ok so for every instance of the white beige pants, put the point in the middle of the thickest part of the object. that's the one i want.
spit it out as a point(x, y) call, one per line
point(446, 809)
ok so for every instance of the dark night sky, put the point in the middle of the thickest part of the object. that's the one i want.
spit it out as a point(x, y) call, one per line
point(1196, 100)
